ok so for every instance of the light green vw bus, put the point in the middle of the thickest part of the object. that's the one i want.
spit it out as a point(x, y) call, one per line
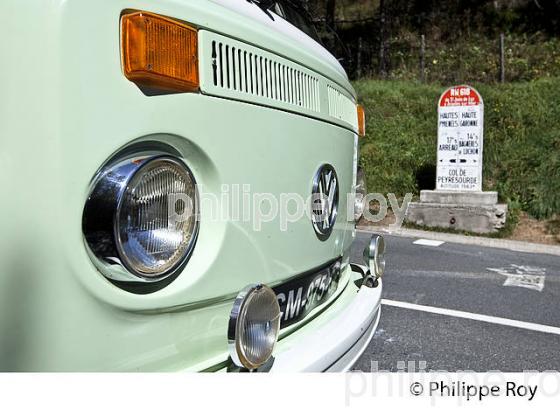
point(153, 158)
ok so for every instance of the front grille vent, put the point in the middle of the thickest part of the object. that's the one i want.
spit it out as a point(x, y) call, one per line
point(341, 107)
point(240, 71)
point(249, 73)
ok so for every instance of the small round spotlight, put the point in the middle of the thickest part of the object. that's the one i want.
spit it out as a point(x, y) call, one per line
point(374, 255)
point(254, 325)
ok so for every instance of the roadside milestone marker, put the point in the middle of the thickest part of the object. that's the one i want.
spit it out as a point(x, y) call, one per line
point(460, 139)
point(458, 201)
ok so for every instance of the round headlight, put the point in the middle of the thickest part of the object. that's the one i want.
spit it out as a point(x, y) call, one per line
point(142, 215)
point(254, 326)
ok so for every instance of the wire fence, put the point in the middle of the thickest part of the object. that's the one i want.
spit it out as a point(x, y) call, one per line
point(411, 56)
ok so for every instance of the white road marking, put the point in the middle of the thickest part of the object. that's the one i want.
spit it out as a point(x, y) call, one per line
point(516, 246)
point(474, 316)
point(428, 242)
point(529, 277)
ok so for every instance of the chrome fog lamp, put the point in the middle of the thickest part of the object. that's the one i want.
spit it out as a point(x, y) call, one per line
point(254, 325)
point(374, 255)
point(141, 215)
point(361, 192)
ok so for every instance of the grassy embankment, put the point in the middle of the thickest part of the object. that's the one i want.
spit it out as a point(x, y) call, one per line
point(521, 142)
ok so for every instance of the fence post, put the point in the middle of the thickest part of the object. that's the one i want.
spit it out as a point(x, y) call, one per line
point(502, 59)
point(422, 58)
point(382, 30)
point(359, 58)
point(331, 12)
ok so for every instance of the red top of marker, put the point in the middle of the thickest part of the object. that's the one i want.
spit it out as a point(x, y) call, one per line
point(460, 96)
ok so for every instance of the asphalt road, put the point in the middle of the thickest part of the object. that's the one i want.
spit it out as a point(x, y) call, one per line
point(469, 279)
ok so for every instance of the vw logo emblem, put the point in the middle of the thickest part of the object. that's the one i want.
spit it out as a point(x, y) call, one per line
point(324, 203)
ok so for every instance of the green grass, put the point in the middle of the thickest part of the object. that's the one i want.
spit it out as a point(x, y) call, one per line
point(521, 139)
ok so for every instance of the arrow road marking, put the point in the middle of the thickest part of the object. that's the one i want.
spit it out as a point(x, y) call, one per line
point(529, 277)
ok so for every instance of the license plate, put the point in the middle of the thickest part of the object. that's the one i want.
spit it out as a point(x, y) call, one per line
point(301, 295)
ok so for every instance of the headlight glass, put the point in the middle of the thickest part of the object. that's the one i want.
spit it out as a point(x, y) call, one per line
point(156, 217)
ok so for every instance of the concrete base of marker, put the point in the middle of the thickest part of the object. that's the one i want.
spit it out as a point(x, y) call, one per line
point(477, 212)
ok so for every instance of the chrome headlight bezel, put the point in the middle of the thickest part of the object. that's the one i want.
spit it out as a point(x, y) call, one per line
point(100, 221)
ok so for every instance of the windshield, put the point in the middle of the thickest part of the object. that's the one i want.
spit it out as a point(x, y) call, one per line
point(291, 11)
point(295, 14)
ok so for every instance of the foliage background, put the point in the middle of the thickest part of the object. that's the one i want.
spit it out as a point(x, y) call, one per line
point(521, 140)
point(461, 37)
point(522, 116)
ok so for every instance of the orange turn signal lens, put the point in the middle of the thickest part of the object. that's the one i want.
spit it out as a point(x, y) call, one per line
point(158, 53)
point(361, 121)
